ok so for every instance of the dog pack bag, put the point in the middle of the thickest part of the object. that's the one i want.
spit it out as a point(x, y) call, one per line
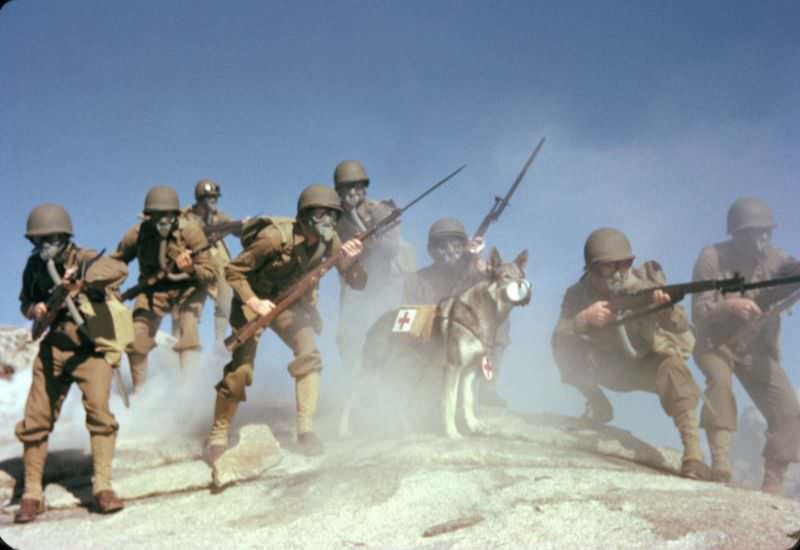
point(415, 321)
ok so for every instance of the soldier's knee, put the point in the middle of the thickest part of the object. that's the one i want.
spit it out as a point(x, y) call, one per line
point(235, 381)
point(305, 363)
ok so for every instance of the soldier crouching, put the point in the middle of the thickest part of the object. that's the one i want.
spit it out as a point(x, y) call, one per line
point(647, 354)
point(67, 354)
point(277, 253)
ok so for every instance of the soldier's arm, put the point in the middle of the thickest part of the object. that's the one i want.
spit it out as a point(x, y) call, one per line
point(265, 245)
point(126, 249)
point(351, 271)
point(568, 327)
point(26, 298)
point(708, 308)
point(196, 240)
point(104, 272)
point(390, 239)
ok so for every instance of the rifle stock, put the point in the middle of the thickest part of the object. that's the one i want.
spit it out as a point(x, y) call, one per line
point(151, 282)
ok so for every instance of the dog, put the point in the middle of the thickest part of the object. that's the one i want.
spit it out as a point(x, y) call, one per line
point(456, 346)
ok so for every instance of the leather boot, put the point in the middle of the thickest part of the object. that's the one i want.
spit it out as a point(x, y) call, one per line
point(774, 471)
point(32, 504)
point(598, 407)
point(692, 465)
point(29, 508)
point(719, 441)
point(107, 502)
point(224, 411)
point(138, 364)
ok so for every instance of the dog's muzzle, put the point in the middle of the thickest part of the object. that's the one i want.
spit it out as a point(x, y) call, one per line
point(519, 292)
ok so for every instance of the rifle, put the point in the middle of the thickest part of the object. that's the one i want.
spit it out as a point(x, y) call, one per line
point(217, 231)
point(500, 203)
point(747, 330)
point(59, 297)
point(151, 282)
point(642, 298)
point(312, 277)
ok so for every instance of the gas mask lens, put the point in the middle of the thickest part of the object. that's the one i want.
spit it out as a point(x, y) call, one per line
point(323, 222)
point(353, 194)
point(449, 250)
point(50, 246)
point(165, 223)
point(608, 269)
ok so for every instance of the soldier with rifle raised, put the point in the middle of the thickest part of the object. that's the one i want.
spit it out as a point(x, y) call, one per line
point(216, 224)
point(66, 291)
point(277, 253)
point(387, 260)
point(739, 335)
point(457, 266)
point(647, 353)
point(174, 272)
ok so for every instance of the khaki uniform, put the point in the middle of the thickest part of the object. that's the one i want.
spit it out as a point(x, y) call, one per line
point(276, 258)
point(387, 261)
point(755, 361)
point(67, 355)
point(219, 290)
point(591, 358)
point(184, 297)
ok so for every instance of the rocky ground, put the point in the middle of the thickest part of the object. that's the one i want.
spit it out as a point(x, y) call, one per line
point(543, 481)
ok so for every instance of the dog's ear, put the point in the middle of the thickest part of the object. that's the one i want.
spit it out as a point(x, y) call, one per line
point(522, 260)
point(494, 258)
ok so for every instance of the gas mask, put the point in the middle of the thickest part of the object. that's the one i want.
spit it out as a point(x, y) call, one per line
point(753, 241)
point(518, 292)
point(448, 251)
point(164, 223)
point(322, 221)
point(352, 195)
point(612, 277)
point(209, 202)
point(50, 246)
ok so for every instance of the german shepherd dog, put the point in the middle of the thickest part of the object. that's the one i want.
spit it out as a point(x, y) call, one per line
point(460, 346)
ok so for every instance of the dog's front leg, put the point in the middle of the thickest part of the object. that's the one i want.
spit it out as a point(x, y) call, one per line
point(449, 401)
point(468, 400)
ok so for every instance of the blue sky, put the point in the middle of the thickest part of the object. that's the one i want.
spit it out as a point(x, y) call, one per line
point(657, 116)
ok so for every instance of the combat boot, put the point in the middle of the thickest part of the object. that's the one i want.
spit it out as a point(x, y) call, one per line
point(598, 407)
point(138, 364)
point(719, 441)
point(692, 465)
point(105, 499)
point(224, 411)
point(774, 471)
point(32, 503)
point(309, 444)
point(306, 395)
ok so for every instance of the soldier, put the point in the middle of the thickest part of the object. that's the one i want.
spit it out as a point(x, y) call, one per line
point(648, 354)
point(67, 354)
point(723, 350)
point(172, 251)
point(207, 194)
point(387, 260)
point(277, 253)
point(456, 267)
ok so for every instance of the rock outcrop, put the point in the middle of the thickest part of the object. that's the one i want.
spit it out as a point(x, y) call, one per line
point(540, 480)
